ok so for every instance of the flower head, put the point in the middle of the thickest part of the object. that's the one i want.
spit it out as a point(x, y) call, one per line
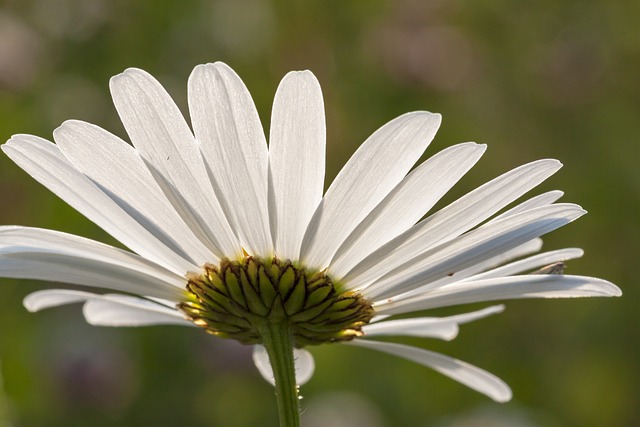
point(229, 234)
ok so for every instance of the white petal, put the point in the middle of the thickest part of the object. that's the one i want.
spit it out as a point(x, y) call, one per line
point(163, 139)
point(303, 360)
point(471, 376)
point(108, 310)
point(49, 298)
point(16, 239)
point(406, 204)
point(503, 288)
point(530, 263)
point(43, 161)
point(451, 221)
point(118, 170)
point(123, 310)
point(476, 315)
point(371, 173)
point(474, 247)
point(519, 251)
point(534, 245)
point(425, 327)
point(534, 202)
point(296, 160)
point(36, 264)
point(445, 328)
point(227, 126)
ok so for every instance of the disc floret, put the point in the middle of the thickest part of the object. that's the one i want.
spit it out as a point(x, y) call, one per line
point(236, 298)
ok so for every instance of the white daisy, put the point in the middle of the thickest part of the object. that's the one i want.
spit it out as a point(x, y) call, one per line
point(232, 235)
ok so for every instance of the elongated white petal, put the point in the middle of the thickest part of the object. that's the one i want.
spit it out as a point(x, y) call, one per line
point(473, 247)
point(451, 221)
point(118, 170)
point(36, 264)
point(445, 328)
point(469, 375)
point(15, 239)
point(534, 202)
point(529, 264)
point(476, 315)
point(49, 298)
point(43, 161)
point(109, 309)
point(406, 204)
point(504, 288)
point(123, 310)
point(519, 251)
point(163, 139)
point(371, 173)
point(296, 160)
point(425, 327)
point(227, 126)
point(303, 360)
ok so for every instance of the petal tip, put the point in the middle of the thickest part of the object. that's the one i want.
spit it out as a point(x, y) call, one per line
point(90, 315)
point(614, 291)
point(300, 74)
point(500, 308)
point(30, 304)
point(14, 139)
point(127, 76)
point(482, 147)
point(220, 65)
point(452, 335)
point(428, 115)
point(504, 396)
point(218, 68)
point(209, 66)
point(557, 163)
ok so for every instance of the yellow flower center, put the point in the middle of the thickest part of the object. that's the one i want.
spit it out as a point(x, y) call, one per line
point(233, 299)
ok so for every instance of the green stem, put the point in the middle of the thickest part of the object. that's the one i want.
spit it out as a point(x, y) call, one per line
point(276, 338)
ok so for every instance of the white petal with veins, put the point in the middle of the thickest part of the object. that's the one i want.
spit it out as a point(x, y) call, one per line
point(469, 375)
point(371, 173)
point(296, 160)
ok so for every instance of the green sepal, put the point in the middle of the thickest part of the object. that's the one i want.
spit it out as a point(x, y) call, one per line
point(319, 327)
point(306, 315)
point(342, 303)
point(221, 326)
point(230, 319)
point(295, 302)
point(238, 298)
point(213, 279)
point(252, 298)
point(337, 315)
point(277, 313)
point(217, 299)
point(274, 270)
point(318, 295)
point(246, 337)
point(252, 273)
point(287, 280)
point(267, 290)
point(234, 287)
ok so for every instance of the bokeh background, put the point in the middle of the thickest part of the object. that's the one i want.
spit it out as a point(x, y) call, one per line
point(532, 79)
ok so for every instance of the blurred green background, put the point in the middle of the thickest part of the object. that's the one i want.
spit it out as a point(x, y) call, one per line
point(532, 79)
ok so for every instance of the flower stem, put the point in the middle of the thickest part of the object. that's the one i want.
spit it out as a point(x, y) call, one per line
point(276, 338)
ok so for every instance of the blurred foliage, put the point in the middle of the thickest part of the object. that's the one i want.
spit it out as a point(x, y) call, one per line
point(532, 79)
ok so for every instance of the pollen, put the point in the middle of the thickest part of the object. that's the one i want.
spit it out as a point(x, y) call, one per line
point(234, 299)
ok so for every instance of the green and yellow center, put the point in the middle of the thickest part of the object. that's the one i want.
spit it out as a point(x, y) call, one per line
point(236, 298)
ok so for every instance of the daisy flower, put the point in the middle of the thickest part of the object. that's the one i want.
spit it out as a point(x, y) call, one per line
point(235, 236)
